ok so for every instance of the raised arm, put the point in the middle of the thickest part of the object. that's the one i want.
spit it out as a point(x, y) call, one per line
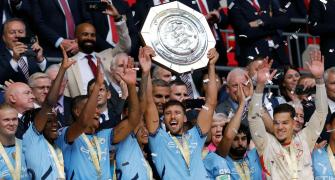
point(122, 130)
point(51, 100)
point(256, 124)
point(205, 116)
point(151, 115)
point(318, 119)
point(145, 62)
point(87, 117)
point(234, 123)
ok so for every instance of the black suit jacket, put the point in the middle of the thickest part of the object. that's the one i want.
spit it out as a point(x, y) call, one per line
point(141, 9)
point(49, 20)
point(220, 45)
point(6, 70)
point(249, 39)
point(323, 25)
point(100, 22)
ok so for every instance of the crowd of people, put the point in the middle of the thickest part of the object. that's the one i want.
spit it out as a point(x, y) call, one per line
point(106, 111)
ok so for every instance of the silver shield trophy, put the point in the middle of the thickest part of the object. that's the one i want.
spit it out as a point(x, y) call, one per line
point(180, 36)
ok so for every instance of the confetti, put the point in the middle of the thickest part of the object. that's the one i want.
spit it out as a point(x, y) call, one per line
point(205, 81)
point(205, 107)
point(251, 57)
point(256, 50)
point(310, 98)
point(323, 1)
point(231, 5)
point(242, 35)
point(276, 46)
point(246, 83)
point(282, 10)
point(270, 95)
point(276, 76)
point(316, 23)
point(288, 5)
point(136, 69)
point(331, 50)
point(173, 78)
point(154, 154)
point(294, 36)
point(229, 49)
point(216, 26)
point(235, 131)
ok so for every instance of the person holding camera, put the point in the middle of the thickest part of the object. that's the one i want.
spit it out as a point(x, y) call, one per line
point(21, 56)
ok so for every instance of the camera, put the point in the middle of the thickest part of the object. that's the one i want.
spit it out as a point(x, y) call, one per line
point(299, 90)
point(193, 103)
point(96, 6)
point(28, 41)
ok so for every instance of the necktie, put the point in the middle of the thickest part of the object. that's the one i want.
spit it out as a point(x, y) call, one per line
point(70, 25)
point(254, 4)
point(92, 64)
point(115, 36)
point(202, 7)
point(24, 67)
point(102, 118)
point(186, 79)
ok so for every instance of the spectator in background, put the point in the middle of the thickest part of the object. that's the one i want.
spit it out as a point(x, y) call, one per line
point(321, 23)
point(216, 19)
point(63, 108)
point(218, 125)
point(230, 105)
point(298, 120)
point(55, 22)
point(21, 98)
point(256, 25)
point(40, 84)
point(18, 61)
point(86, 67)
point(112, 33)
point(288, 84)
point(161, 73)
point(117, 87)
point(113, 29)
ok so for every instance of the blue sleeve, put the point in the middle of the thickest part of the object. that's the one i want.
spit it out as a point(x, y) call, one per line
point(31, 136)
point(216, 165)
point(61, 141)
point(196, 132)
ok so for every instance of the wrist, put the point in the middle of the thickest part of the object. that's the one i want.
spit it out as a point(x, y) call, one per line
point(319, 80)
point(117, 18)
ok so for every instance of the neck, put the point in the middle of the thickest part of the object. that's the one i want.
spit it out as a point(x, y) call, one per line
point(103, 108)
point(51, 141)
point(7, 141)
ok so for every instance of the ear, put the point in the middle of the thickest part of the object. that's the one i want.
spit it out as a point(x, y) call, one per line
point(109, 95)
point(185, 118)
point(12, 99)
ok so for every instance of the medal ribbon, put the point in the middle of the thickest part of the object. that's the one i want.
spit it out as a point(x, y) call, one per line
point(15, 173)
point(184, 149)
point(149, 170)
point(331, 158)
point(243, 170)
point(291, 159)
point(58, 159)
point(95, 155)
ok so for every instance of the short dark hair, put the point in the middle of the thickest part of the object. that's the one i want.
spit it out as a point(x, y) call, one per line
point(174, 103)
point(245, 130)
point(76, 101)
point(91, 82)
point(159, 82)
point(284, 108)
point(177, 82)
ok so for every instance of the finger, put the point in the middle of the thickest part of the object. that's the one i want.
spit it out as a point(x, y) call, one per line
point(63, 51)
point(273, 74)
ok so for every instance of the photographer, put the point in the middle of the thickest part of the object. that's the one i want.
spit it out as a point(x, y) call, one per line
point(21, 55)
